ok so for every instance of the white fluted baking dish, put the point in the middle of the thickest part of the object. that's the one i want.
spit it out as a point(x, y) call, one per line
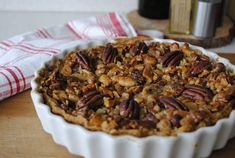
point(93, 144)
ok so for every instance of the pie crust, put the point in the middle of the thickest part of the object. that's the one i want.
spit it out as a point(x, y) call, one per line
point(140, 87)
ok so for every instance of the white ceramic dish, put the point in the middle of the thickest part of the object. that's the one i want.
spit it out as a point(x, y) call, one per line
point(92, 144)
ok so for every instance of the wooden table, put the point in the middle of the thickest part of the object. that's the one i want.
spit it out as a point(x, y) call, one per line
point(22, 136)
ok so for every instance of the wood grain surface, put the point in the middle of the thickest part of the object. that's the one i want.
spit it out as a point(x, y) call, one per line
point(22, 136)
point(223, 34)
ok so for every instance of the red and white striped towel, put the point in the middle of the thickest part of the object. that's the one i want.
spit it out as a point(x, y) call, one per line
point(21, 55)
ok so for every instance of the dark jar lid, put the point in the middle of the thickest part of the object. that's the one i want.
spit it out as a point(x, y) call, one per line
point(154, 9)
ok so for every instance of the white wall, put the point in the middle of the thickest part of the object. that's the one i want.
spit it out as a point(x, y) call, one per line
point(68, 5)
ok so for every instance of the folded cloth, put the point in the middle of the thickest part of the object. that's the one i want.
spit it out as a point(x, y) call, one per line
point(21, 55)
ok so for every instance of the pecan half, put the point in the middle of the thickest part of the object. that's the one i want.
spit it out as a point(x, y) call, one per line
point(172, 58)
point(204, 58)
point(109, 54)
point(230, 93)
point(62, 84)
point(150, 117)
point(196, 92)
point(85, 61)
point(59, 76)
point(174, 46)
point(177, 88)
point(138, 76)
point(232, 78)
point(147, 124)
point(219, 67)
point(92, 100)
point(172, 103)
point(140, 48)
point(200, 67)
point(175, 120)
point(232, 103)
point(129, 109)
point(198, 116)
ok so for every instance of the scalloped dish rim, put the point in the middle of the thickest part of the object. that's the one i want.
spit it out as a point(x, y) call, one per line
point(40, 106)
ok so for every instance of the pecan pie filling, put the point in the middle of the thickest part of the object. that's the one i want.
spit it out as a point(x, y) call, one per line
point(139, 87)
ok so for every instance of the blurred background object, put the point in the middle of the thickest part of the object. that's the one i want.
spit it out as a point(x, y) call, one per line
point(46, 13)
point(180, 16)
point(69, 5)
point(154, 9)
point(199, 22)
point(207, 16)
point(231, 10)
point(32, 14)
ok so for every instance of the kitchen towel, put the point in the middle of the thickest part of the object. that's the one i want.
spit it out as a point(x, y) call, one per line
point(21, 55)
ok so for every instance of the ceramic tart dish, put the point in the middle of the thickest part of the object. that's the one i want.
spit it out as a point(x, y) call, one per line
point(137, 97)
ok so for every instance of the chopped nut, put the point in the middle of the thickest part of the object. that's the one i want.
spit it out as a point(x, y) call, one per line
point(219, 67)
point(139, 67)
point(59, 95)
point(139, 98)
point(88, 87)
point(151, 100)
point(105, 80)
point(149, 60)
point(148, 73)
point(218, 81)
point(116, 94)
point(50, 101)
point(187, 124)
point(198, 116)
point(125, 96)
point(114, 71)
point(230, 93)
point(176, 120)
point(126, 81)
point(108, 92)
point(186, 50)
point(164, 126)
point(177, 88)
point(135, 89)
point(119, 88)
point(66, 70)
point(96, 120)
point(85, 75)
point(98, 72)
point(73, 97)
point(109, 125)
point(108, 102)
point(138, 76)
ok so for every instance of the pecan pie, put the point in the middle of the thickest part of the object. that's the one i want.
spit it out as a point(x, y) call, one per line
point(139, 87)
